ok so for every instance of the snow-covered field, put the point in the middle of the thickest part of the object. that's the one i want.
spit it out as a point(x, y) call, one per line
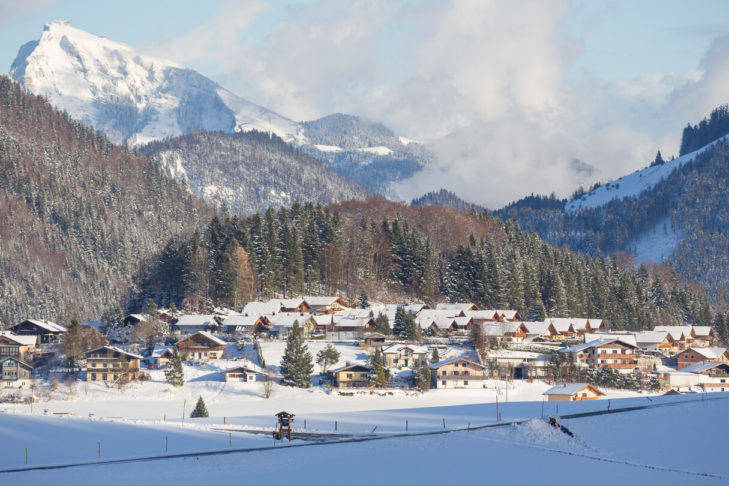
point(677, 444)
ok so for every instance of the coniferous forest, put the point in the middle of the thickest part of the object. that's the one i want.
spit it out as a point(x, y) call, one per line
point(396, 253)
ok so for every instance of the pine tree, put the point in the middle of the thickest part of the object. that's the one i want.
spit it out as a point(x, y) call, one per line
point(378, 374)
point(296, 363)
point(383, 324)
point(363, 302)
point(174, 374)
point(398, 328)
point(421, 377)
point(200, 409)
point(435, 357)
point(410, 327)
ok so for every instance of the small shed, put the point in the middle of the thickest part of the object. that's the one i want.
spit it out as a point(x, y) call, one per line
point(570, 392)
point(373, 339)
point(249, 372)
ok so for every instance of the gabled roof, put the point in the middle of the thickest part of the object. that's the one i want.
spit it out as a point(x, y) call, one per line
point(194, 320)
point(597, 343)
point(10, 358)
point(538, 328)
point(488, 315)
point(258, 309)
point(322, 301)
point(240, 320)
point(563, 324)
point(24, 340)
point(116, 350)
point(207, 336)
point(703, 367)
point(396, 348)
point(708, 353)
point(352, 366)
point(370, 335)
point(439, 313)
point(569, 389)
point(347, 322)
point(160, 350)
point(453, 360)
point(508, 314)
point(650, 337)
point(703, 331)
point(461, 306)
point(676, 332)
point(626, 337)
point(249, 366)
point(441, 322)
point(47, 325)
point(287, 319)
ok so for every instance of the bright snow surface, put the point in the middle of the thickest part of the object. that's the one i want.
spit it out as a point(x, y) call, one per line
point(633, 184)
point(676, 444)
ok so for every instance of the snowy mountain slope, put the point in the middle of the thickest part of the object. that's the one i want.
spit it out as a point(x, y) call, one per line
point(633, 184)
point(130, 96)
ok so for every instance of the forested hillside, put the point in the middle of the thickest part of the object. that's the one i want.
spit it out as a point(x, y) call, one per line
point(249, 172)
point(446, 199)
point(688, 208)
point(395, 252)
point(78, 215)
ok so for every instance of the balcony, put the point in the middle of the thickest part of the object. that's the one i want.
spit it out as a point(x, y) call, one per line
point(615, 356)
point(618, 366)
point(451, 377)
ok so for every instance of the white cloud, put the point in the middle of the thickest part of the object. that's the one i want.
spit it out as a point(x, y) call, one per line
point(485, 81)
point(10, 10)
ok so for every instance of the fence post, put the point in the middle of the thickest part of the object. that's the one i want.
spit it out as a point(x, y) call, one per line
point(223, 420)
point(230, 439)
point(99, 443)
point(444, 423)
point(167, 443)
point(26, 456)
point(184, 403)
point(406, 426)
point(335, 426)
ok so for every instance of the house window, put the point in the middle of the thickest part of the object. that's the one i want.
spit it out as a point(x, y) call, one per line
point(465, 382)
point(466, 373)
point(93, 376)
point(455, 373)
point(443, 382)
point(444, 372)
point(103, 376)
point(93, 365)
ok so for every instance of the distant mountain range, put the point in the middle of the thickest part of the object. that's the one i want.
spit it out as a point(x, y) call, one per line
point(134, 98)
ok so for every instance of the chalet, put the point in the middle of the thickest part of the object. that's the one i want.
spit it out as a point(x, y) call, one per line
point(458, 373)
point(16, 346)
point(247, 373)
point(192, 323)
point(711, 376)
point(683, 336)
point(439, 314)
point(201, 345)
point(508, 315)
point(483, 316)
point(294, 305)
point(282, 323)
point(539, 367)
point(326, 305)
point(132, 319)
point(346, 329)
point(404, 355)
point(351, 376)
point(257, 309)
point(507, 331)
point(458, 306)
point(700, 355)
point(569, 392)
point(563, 328)
point(242, 324)
point(540, 331)
point(108, 363)
point(161, 355)
point(373, 339)
point(703, 336)
point(45, 331)
point(15, 373)
point(616, 353)
point(660, 341)
point(439, 324)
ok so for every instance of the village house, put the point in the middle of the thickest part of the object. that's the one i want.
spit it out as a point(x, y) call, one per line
point(703, 336)
point(108, 363)
point(17, 346)
point(282, 323)
point(161, 356)
point(683, 336)
point(247, 373)
point(537, 368)
point(46, 332)
point(700, 355)
point(257, 309)
point(482, 316)
point(458, 373)
point(458, 306)
point(201, 345)
point(617, 353)
point(507, 331)
point(351, 376)
point(346, 329)
point(657, 341)
point(570, 392)
point(192, 323)
point(132, 319)
point(441, 325)
point(326, 305)
point(712, 376)
point(15, 373)
point(404, 355)
point(240, 324)
point(539, 331)
point(563, 328)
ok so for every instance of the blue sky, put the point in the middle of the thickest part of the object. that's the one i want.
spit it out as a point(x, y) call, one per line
point(519, 90)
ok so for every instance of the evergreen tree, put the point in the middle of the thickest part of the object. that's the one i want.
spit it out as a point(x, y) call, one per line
point(410, 327)
point(327, 357)
point(398, 328)
point(383, 324)
point(435, 356)
point(421, 377)
point(378, 374)
point(174, 373)
point(363, 302)
point(296, 363)
point(200, 409)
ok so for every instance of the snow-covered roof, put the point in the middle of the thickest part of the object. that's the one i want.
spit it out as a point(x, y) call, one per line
point(249, 366)
point(321, 301)
point(118, 350)
point(211, 337)
point(438, 313)
point(441, 322)
point(23, 340)
point(460, 306)
point(488, 315)
point(568, 389)
point(702, 367)
point(508, 314)
point(396, 348)
point(708, 353)
point(675, 331)
point(598, 342)
point(626, 337)
point(539, 328)
point(453, 360)
point(703, 331)
point(258, 309)
point(349, 322)
point(194, 320)
point(350, 365)
point(240, 320)
point(287, 319)
point(139, 317)
point(16, 359)
point(561, 325)
point(650, 337)
point(47, 325)
point(160, 350)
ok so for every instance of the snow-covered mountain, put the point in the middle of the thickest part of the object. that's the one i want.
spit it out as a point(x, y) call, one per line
point(130, 96)
point(136, 98)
